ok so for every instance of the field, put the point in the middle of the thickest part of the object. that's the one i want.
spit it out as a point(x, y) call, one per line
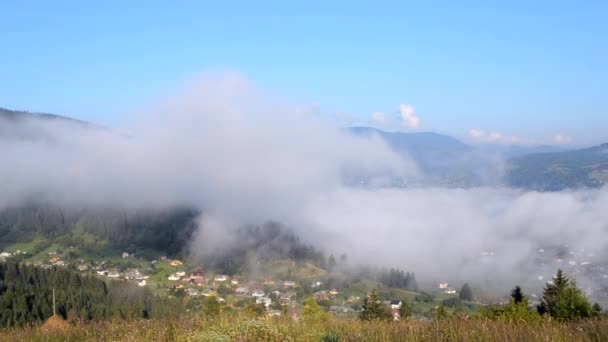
point(241, 328)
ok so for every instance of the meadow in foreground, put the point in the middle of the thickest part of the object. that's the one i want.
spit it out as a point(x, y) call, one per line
point(241, 328)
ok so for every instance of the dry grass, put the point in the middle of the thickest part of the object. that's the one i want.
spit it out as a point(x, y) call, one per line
point(244, 329)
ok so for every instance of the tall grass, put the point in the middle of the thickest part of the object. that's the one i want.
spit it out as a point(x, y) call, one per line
point(241, 328)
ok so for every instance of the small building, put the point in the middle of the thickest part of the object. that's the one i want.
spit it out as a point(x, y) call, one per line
point(125, 255)
point(450, 290)
point(353, 299)
point(289, 284)
point(334, 292)
point(443, 285)
point(243, 291)
point(142, 283)
point(258, 293)
point(180, 273)
point(320, 296)
point(395, 304)
point(175, 263)
point(5, 255)
point(221, 278)
point(174, 277)
point(264, 300)
point(113, 274)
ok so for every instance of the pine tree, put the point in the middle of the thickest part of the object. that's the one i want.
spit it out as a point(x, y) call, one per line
point(374, 309)
point(563, 300)
point(517, 295)
point(466, 293)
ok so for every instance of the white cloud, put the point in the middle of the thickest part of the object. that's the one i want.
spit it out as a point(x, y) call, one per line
point(562, 139)
point(483, 137)
point(408, 116)
point(378, 118)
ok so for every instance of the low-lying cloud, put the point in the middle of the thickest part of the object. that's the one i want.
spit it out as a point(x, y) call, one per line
point(241, 158)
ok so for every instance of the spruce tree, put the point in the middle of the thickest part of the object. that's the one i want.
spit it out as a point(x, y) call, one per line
point(374, 309)
point(466, 293)
point(517, 295)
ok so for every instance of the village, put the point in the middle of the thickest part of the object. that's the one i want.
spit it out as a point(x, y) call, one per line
point(281, 297)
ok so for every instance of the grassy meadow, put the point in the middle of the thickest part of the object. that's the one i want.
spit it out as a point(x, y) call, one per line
point(242, 328)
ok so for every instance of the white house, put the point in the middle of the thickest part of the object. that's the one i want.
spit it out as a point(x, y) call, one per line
point(174, 277)
point(180, 273)
point(5, 255)
point(264, 300)
point(221, 278)
point(258, 293)
point(395, 304)
point(125, 255)
point(113, 274)
point(241, 291)
point(289, 283)
point(443, 285)
point(142, 283)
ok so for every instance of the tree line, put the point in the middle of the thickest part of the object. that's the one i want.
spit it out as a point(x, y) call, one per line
point(26, 297)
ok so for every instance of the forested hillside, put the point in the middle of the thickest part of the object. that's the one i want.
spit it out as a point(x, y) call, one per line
point(26, 297)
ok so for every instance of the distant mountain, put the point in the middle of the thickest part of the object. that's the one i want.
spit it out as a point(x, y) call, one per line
point(443, 160)
point(19, 116)
point(560, 170)
point(27, 126)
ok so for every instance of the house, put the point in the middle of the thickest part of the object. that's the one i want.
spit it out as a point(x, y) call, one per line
point(60, 263)
point(102, 272)
point(142, 283)
point(316, 284)
point(234, 282)
point(395, 304)
point(174, 277)
point(180, 273)
point(269, 282)
point(263, 300)
point(258, 293)
point(175, 263)
point(450, 290)
point(443, 285)
point(289, 284)
point(5, 255)
point(132, 274)
point(54, 260)
point(334, 292)
point(243, 291)
point(197, 279)
point(275, 313)
point(320, 296)
point(82, 267)
point(353, 299)
point(125, 255)
point(113, 274)
point(221, 278)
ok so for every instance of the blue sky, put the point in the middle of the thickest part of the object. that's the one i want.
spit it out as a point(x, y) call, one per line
point(531, 69)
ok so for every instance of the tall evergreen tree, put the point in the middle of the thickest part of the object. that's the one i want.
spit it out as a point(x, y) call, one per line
point(374, 309)
point(517, 295)
point(563, 300)
point(466, 293)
